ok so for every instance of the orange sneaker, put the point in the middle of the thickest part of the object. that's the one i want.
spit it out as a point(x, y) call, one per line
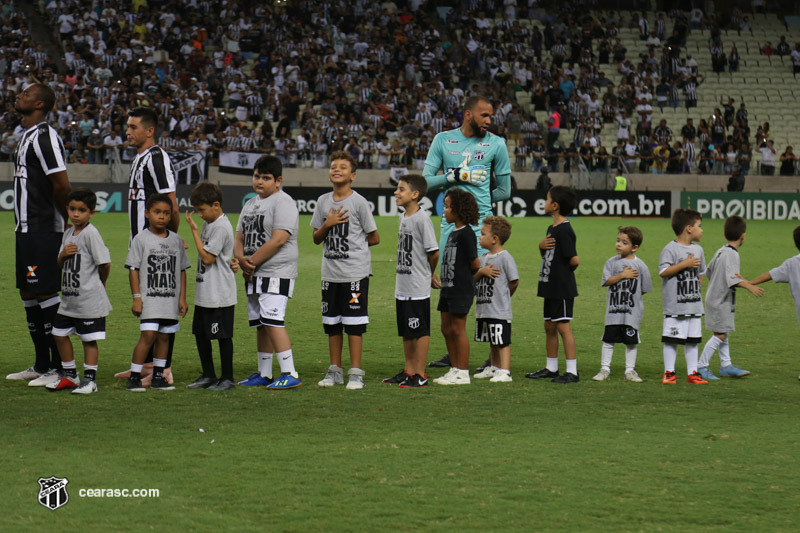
point(696, 378)
point(669, 378)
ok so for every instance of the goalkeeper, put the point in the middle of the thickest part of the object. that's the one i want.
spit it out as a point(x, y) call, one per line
point(467, 157)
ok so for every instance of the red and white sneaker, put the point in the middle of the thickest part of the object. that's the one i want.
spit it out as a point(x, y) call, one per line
point(696, 379)
point(65, 382)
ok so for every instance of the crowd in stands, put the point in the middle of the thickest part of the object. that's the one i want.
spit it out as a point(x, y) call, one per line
point(303, 78)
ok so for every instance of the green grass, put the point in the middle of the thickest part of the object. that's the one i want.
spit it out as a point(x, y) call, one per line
point(518, 456)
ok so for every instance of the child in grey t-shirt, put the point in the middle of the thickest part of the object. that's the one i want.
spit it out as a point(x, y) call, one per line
point(157, 262)
point(723, 276)
point(343, 221)
point(628, 279)
point(85, 264)
point(497, 280)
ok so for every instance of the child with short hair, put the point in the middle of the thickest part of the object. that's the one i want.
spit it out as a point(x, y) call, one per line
point(157, 262)
point(557, 285)
point(787, 272)
point(681, 266)
point(85, 264)
point(723, 276)
point(628, 279)
point(343, 221)
point(417, 256)
point(266, 248)
point(215, 289)
point(459, 264)
point(497, 280)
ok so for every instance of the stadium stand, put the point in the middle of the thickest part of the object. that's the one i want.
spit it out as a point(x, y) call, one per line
point(303, 78)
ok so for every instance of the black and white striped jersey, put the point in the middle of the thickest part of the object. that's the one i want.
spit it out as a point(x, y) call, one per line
point(151, 172)
point(40, 153)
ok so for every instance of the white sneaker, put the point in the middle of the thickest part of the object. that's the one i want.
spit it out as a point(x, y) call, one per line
point(355, 379)
point(458, 377)
point(333, 377)
point(450, 373)
point(63, 382)
point(602, 375)
point(42, 381)
point(633, 376)
point(501, 376)
point(487, 372)
point(25, 375)
point(87, 386)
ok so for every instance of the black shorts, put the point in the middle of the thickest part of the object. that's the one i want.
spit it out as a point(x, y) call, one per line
point(87, 329)
point(37, 262)
point(345, 306)
point(621, 334)
point(558, 310)
point(413, 318)
point(213, 322)
point(495, 331)
point(457, 305)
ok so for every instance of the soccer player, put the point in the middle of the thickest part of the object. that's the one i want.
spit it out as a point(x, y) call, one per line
point(151, 172)
point(215, 292)
point(497, 280)
point(41, 187)
point(557, 285)
point(86, 264)
point(628, 279)
point(467, 157)
point(157, 262)
point(723, 276)
point(417, 256)
point(681, 266)
point(342, 220)
point(266, 247)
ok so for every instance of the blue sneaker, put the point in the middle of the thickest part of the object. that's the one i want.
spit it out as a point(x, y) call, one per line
point(733, 371)
point(255, 379)
point(706, 374)
point(285, 381)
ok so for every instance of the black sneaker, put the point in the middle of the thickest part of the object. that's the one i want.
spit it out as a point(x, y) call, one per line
point(202, 382)
point(161, 384)
point(135, 385)
point(223, 384)
point(396, 380)
point(485, 364)
point(444, 362)
point(541, 374)
point(415, 381)
point(566, 377)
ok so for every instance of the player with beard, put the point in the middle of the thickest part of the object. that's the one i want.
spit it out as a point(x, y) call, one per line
point(467, 157)
point(41, 187)
point(151, 173)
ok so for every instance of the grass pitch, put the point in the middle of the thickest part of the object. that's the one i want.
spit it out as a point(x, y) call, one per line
point(487, 457)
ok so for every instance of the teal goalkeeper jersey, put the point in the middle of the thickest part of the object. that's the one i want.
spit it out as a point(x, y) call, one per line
point(451, 148)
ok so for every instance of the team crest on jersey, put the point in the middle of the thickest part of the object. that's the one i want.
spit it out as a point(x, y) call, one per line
point(413, 323)
point(674, 332)
point(478, 155)
point(214, 328)
point(324, 307)
point(630, 332)
point(53, 492)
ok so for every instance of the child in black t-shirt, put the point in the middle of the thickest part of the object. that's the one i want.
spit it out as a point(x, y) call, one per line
point(557, 284)
point(459, 263)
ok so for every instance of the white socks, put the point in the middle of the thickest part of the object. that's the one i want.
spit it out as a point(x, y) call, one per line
point(690, 352)
point(605, 356)
point(724, 353)
point(708, 351)
point(286, 361)
point(552, 364)
point(670, 354)
point(630, 357)
point(572, 366)
point(265, 364)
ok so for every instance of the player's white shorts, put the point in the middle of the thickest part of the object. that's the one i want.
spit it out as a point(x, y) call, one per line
point(161, 325)
point(682, 330)
point(266, 310)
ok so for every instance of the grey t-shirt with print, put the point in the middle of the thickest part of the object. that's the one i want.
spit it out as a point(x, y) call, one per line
point(624, 303)
point(416, 238)
point(346, 256)
point(680, 294)
point(789, 272)
point(82, 293)
point(494, 296)
point(260, 217)
point(160, 261)
point(216, 283)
